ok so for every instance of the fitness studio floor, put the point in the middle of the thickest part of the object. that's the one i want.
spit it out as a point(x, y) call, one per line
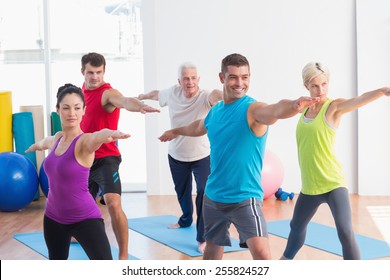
point(371, 217)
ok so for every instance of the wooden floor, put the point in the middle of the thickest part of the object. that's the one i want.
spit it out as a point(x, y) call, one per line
point(371, 217)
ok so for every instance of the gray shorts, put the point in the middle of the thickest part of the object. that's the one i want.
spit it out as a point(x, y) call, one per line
point(246, 216)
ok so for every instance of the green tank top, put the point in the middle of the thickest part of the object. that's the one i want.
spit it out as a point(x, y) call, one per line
point(321, 172)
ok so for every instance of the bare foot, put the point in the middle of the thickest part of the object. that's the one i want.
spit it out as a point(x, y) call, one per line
point(123, 258)
point(73, 240)
point(174, 226)
point(201, 247)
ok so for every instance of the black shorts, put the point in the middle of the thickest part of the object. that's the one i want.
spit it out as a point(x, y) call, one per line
point(104, 176)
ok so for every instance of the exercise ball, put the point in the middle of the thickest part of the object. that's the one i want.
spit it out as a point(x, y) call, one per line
point(272, 174)
point(18, 181)
point(43, 180)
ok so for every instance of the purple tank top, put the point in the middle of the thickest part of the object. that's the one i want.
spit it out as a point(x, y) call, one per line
point(68, 200)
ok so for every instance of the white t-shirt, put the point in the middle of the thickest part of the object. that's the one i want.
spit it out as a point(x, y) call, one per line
point(183, 111)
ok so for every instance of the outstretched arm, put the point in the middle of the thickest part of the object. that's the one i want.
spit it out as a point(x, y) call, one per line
point(92, 141)
point(215, 96)
point(153, 95)
point(45, 143)
point(194, 129)
point(115, 98)
point(342, 106)
point(269, 114)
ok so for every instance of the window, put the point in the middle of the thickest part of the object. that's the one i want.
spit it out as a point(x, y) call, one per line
point(75, 27)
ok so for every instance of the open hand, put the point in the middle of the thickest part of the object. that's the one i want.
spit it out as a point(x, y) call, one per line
point(141, 96)
point(387, 91)
point(167, 136)
point(116, 135)
point(305, 102)
point(35, 147)
point(148, 109)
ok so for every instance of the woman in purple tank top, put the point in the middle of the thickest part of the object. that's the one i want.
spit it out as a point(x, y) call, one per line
point(70, 209)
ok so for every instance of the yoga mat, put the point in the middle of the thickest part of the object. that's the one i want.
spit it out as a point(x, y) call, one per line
point(325, 238)
point(6, 140)
point(36, 242)
point(181, 239)
point(55, 123)
point(37, 113)
point(23, 131)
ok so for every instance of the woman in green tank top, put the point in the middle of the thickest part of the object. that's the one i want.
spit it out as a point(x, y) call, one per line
point(322, 176)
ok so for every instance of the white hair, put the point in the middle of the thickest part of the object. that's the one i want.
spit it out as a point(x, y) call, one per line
point(183, 66)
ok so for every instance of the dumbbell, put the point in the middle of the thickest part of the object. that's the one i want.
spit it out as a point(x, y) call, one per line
point(282, 195)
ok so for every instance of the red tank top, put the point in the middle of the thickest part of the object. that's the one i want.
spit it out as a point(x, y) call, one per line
point(96, 118)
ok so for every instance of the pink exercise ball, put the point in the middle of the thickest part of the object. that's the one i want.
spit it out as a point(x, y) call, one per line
point(272, 174)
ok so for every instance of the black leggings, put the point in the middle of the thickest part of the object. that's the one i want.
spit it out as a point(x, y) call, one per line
point(305, 208)
point(89, 233)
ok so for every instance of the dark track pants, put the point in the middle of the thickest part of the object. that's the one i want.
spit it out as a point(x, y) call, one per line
point(182, 177)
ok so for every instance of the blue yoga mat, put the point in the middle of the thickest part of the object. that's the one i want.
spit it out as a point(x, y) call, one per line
point(36, 242)
point(181, 239)
point(325, 238)
point(23, 131)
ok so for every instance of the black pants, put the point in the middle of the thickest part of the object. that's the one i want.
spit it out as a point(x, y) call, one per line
point(182, 177)
point(89, 233)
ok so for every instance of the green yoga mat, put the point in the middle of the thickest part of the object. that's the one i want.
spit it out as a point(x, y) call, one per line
point(325, 238)
point(55, 123)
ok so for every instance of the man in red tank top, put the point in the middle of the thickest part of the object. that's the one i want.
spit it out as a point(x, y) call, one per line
point(103, 104)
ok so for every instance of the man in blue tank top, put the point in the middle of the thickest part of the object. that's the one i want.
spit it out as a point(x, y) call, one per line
point(237, 129)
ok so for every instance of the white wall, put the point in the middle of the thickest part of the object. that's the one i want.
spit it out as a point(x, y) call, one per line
point(373, 25)
point(278, 38)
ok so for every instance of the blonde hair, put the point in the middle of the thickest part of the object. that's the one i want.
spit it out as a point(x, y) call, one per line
point(312, 70)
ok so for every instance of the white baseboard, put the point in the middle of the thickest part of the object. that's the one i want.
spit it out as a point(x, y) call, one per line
point(133, 187)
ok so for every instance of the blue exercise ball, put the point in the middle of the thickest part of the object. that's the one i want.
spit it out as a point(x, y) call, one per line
point(18, 181)
point(43, 180)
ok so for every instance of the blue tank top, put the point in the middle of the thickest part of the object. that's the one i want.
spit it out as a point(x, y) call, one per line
point(68, 200)
point(236, 153)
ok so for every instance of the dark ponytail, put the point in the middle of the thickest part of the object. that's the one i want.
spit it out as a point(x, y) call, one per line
point(68, 89)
